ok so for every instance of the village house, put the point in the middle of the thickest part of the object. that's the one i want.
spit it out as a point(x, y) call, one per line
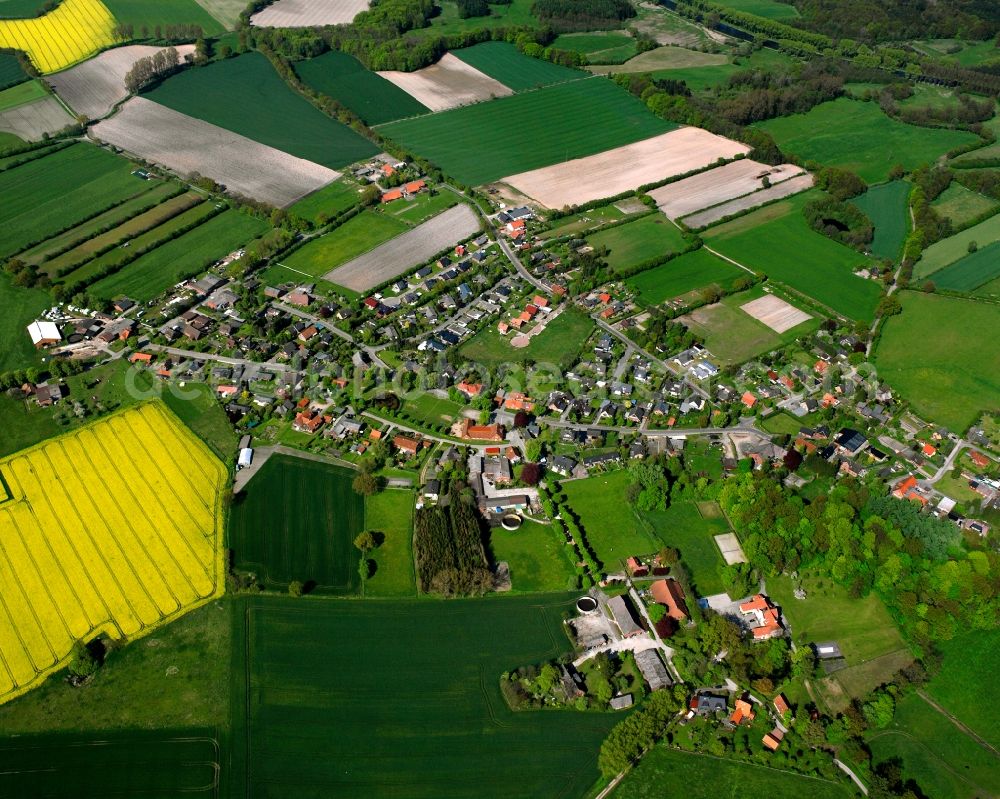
point(762, 617)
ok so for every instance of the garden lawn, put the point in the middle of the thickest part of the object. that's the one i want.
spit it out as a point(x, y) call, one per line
point(296, 520)
point(505, 63)
point(390, 512)
point(163, 13)
point(561, 339)
point(956, 247)
point(683, 526)
point(949, 377)
point(600, 47)
point(356, 236)
point(886, 206)
point(858, 136)
point(245, 95)
point(612, 536)
point(158, 270)
point(431, 409)
point(777, 241)
point(970, 272)
point(328, 201)
point(366, 93)
point(538, 556)
point(19, 307)
point(671, 772)
point(484, 142)
point(390, 698)
point(946, 763)
point(962, 205)
point(644, 239)
point(693, 270)
point(782, 424)
point(59, 190)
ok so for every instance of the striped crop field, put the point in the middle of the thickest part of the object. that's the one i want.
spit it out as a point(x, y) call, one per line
point(112, 529)
point(74, 30)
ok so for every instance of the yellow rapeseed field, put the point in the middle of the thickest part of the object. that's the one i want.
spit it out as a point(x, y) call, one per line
point(74, 30)
point(115, 529)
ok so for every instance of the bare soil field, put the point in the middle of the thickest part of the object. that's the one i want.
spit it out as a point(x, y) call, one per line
point(624, 168)
point(775, 313)
point(187, 145)
point(93, 87)
point(306, 13)
point(447, 84)
point(31, 120)
point(784, 189)
point(410, 249)
point(718, 185)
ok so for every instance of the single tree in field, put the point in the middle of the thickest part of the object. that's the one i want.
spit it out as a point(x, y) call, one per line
point(295, 588)
point(366, 484)
point(366, 541)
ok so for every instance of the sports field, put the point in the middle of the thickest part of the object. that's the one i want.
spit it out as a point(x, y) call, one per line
point(182, 257)
point(777, 241)
point(538, 556)
point(232, 95)
point(297, 520)
point(367, 94)
point(51, 193)
point(685, 527)
point(644, 239)
point(562, 338)
point(115, 548)
point(856, 135)
point(954, 248)
point(693, 270)
point(357, 235)
point(72, 31)
point(970, 272)
point(665, 771)
point(949, 377)
point(349, 699)
point(528, 131)
point(503, 62)
point(143, 13)
point(886, 206)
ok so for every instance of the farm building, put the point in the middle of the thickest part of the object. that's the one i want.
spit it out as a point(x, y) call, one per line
point(44, 334)
point(625, 618)
point(653, 670)
point(245, 459)
point(670, 594)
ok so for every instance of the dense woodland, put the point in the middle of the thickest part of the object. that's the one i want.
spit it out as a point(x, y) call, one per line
point(448, 549)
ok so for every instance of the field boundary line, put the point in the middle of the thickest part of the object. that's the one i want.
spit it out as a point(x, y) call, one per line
point(959, 724)
point(937, 758)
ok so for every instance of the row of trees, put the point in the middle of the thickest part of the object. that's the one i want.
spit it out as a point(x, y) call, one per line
point(151, 68)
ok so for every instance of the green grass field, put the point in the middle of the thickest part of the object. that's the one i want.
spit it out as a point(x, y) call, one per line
point(857, 136)
point(703, 75)
point(518, 12)
point(528, 131)
point(390, 512)
point(331, 199)
point(970, 272)
point(421, 208)
point(954, 248)
point(233, 94)
point(20, 94)
point(683, 526)
point(946, 763)
point(583, 221)
point(296, 520)
point(10, 69)
point(783, 424)
point(58, 190)
point(19, 307)
point(669, 772)
point(538, 556)
point(667, 58)
point(763, 8)
point(401, 698)
point(693, 270)
point(949, 377)
point(886, 206)
point(142, 13)
point(356, 236)
point(733, 335)
point(777, 241)
point(642, 240)
point(432, 409)
point(367, 94)
point(600, 47)
point(613, 537)
point(512, 68)
point(156, 271)
point(967, 53)
point(561, 338)
point(962, 205)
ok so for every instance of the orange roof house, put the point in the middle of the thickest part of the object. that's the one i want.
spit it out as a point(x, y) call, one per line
point(772, 740)
point(481, 432)
point(907, 489)
point(928, 450)
point(979, 459)
point(540, 301)
point(516, 401)
point(469, 389)
point(828, 400)
point(406, 444)
point(765, 621)
point(392, 194)
point(605, 298)
point(743, 712)
point(375, 435)
point(388, 169)
point(503, 327)
point(749, 399)
point(414, 186)
point(516, 323)
point(636, 567)
point(821, 367)
point(226, 391)
point(140, 357)
point(607, 313)
point(524, 317)
point(781, 704)
point(670, 594)
point(307, 422)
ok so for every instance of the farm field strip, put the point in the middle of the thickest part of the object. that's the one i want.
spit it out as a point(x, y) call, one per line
point(20, 94)
point(104, 551)
point(662, 58)
point(72, 31)
point(187, 145)
point(972, 271)
point(33, 120)
point(621, 169)
point(308, 13)
point(954, 248)
point(777, 192)
point(718, 185)
point(407, 250)
point(774, 312)
point(887, 206)
point(685, 273)
point(518, 72)
point(93, 87)
point(447, 84)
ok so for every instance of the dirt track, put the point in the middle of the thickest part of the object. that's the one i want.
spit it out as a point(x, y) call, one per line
point(187, 145)
point(624, 168)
